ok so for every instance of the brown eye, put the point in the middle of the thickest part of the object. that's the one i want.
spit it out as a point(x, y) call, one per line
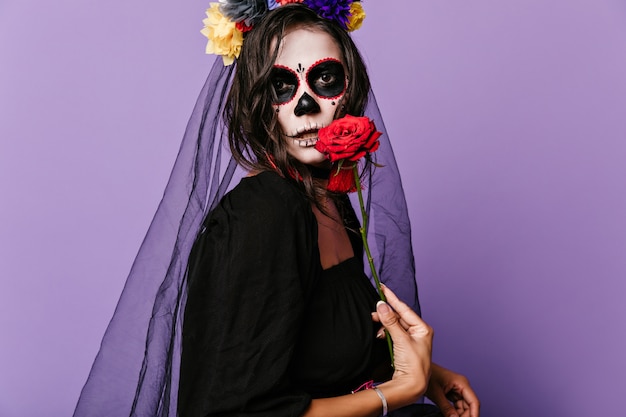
point(281, 87)
point(284, 84)
point(327, 78)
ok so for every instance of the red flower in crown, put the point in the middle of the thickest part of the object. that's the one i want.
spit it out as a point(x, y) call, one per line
point(344, 142)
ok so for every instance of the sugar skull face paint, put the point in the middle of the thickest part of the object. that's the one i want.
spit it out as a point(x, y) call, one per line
point(326, 78)
point(285, 83)
point(309, 82)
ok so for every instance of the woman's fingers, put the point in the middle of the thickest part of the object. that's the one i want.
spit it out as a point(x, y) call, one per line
point(403, 310)
point(390, 321)
point(404, 321)
point(376, 319)
point(408, 318)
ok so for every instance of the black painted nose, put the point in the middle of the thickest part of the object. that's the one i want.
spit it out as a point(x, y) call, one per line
point(306, 105)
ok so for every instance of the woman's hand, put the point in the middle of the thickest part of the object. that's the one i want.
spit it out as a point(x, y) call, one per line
point(452, 393)
point(412, 345)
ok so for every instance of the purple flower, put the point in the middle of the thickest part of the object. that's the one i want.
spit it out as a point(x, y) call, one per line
point(337, 10)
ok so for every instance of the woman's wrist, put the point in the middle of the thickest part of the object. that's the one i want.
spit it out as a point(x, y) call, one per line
point(364, 403)
point(400, 393)
point(383, 400)
point(396, 393)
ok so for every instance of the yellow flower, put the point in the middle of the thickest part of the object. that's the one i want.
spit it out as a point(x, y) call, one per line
point(224, 37)
point(357, 15)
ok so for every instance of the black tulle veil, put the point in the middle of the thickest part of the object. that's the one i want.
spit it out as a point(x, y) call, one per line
point(137, 367)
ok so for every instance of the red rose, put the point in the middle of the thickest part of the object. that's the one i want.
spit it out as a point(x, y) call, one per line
point(348, 138)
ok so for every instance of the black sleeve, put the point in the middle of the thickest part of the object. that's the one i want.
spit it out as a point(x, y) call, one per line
point(251, 271)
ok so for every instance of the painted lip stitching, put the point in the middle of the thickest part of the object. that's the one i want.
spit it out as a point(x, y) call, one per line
point(306, 143)
point(304, 131)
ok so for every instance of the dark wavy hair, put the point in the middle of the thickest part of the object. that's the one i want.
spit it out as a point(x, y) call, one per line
point(254, 133)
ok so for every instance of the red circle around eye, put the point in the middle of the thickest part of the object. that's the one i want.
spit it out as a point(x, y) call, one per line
point(297, 85)
point(315, 64)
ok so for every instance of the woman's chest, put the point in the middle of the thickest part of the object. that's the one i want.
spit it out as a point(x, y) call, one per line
point(337, 347)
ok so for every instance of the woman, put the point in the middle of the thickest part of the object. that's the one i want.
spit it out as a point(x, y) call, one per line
point(293, 321)
point(277, 317)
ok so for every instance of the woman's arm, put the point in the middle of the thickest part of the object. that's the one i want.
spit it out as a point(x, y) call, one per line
point(412, 347)
point(249, 278)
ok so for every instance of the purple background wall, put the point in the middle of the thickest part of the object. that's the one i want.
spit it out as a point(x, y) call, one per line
point(508, 122)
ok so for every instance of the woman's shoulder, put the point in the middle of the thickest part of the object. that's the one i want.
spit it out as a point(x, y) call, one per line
point(265, 193)
point(267, 181)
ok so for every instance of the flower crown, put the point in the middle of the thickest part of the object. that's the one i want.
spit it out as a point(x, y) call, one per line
point(228, 20)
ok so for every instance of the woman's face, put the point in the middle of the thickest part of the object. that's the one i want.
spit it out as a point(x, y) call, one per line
point(309, 81)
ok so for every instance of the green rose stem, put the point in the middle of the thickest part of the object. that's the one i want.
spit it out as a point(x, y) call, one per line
point(363, 230)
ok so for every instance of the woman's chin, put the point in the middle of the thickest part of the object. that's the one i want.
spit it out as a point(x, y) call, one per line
point(311, 156)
